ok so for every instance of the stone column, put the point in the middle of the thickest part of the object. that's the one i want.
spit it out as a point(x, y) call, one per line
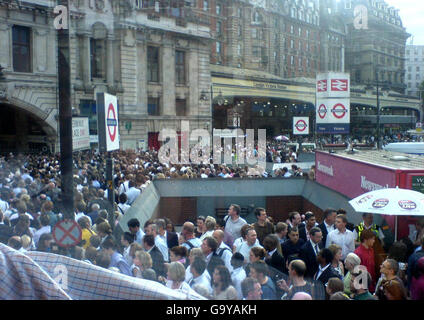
point(6, 46)
point(193, 82)
point(40, 50)
point(109, 62)
point(168, 79)
point(85, 59)
point(141, 78)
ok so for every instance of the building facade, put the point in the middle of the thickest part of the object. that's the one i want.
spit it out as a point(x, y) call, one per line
point(376, 40)
point(414, 69)
point(155, 59)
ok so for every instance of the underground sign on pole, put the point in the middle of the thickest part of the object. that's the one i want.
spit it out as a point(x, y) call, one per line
point(108, 123)
point(108, 127)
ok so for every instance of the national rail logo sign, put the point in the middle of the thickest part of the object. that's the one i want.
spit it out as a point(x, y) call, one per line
point(300, 125)
point(322, 85)
point(108, 122)
point(339, 84)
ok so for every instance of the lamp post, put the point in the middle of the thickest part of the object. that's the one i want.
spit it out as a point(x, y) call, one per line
point(378, 112)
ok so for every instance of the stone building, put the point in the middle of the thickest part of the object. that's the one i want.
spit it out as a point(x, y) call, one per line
point(414, 68)
point(154, 58)
point(376, 43)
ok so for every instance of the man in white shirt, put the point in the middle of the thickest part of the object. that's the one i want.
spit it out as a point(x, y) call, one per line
point(45, 228)
point(238, 274)
point(342, 236)
point(223, 251)
point(233, 221)
point(132, 192)
point(197, 268)
point(124, 187)
point(250, 243)
point(134, 227)
point(159, 242)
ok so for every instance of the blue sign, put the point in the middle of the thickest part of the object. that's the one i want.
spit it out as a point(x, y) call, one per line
point(333, 128)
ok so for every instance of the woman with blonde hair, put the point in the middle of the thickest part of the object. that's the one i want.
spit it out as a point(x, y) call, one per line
point(176, 277)
point(143, 261)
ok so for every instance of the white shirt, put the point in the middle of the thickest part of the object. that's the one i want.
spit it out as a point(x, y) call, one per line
point(328, 227)
point(233, 227)
point(123, 207)
point(345, 240)
point(203, 281)
point(244, 249)
point(206, 234)
point(189, 275)
point(39, 232)
point(132, 194)
point(163, 247)
point(237, 276)
point(124, 187)
point(3, 206)
point(226, 255)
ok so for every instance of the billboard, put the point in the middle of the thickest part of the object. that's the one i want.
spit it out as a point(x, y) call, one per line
point(332, 102)
point(80, 134)
point(108, 123)
point(351, 177)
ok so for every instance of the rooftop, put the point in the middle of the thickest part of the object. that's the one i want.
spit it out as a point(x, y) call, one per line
point(385, 158)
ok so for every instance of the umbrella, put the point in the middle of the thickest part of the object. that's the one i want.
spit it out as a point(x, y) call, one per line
point(390, 201)
point(283, 138)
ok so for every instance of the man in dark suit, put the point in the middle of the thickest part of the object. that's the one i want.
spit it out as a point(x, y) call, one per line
point(310, 222)
point(158, 263)
point(309, 252)
point(209, 246)
point(325, 270)
point(274, 260)
point(5, 231)
point(171, 238)
point(328, 224)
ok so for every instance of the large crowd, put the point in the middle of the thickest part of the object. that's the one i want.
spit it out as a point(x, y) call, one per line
point(225, 259)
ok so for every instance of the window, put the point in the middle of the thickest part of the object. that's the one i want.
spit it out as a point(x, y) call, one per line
point(291, 43)
point(256, 51)
point(181, 107)
point(240, 31)
point(254, 33)
point(292, 60)
point(153, 64)
point(21, 37)
point(153, 107)
point(180, 72)
point(218, 9)
point(218, 48)
point(239, 50)
point(98, 58)
point(205, 5)
point(240, 12)
point(291, 29)
point(218, 27)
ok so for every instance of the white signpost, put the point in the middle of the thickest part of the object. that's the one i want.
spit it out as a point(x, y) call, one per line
point(108, 123)
point(80, 134)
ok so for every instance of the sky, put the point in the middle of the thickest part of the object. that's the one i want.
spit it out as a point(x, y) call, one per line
point(412, 15)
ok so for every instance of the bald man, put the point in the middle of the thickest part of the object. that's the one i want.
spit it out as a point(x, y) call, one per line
point(187, 238)
point(302, 296)
point(223, 251)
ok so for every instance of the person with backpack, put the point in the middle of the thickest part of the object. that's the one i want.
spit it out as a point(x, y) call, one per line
point(188, 239)
point(223, 251)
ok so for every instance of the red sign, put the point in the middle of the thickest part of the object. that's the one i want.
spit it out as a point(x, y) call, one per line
point(339, 84)
point(301, 125)
point(111, 122)
point(322, 111)
point(67, 233)
point(322, 85)
point(339, 111)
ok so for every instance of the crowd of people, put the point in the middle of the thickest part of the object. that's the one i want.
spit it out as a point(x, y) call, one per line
point(221, 259)
point(229, 259)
